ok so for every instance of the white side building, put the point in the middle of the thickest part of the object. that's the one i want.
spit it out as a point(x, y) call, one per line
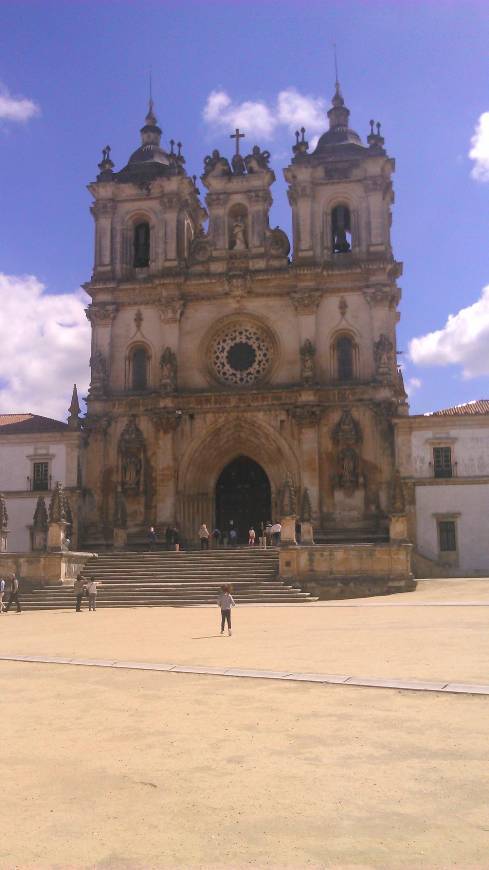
point(443, 459)
point(35, 453)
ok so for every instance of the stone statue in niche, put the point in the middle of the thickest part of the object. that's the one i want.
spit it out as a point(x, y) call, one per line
point(383, 349)
point(347, 436)
point(238, 237)
point(98, 380)
point(348, 469)
point(308, 353)
point(168, 371)
point(131, 451)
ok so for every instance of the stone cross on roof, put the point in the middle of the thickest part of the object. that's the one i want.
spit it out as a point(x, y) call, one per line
point(237, 135)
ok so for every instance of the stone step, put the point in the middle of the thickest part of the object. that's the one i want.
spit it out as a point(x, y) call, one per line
point(159, 579)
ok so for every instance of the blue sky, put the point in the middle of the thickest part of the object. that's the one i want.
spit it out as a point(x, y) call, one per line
point(421, 68)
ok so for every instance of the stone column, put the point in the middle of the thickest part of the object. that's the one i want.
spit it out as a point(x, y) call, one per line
point(166, 421)
point(307, 417)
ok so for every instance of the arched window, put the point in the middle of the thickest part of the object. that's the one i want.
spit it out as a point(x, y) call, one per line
point(344, 358)
point(139, 369)
point(341, 229)
point(141, 245)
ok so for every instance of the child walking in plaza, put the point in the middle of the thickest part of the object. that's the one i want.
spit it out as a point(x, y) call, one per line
point(225, 602)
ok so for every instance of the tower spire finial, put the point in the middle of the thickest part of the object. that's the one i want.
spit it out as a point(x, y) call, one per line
point(337, 83)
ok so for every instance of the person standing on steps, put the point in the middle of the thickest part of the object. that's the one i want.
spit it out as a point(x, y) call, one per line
point(151, 537)
point(251, 537)
point(14, 594)
point(78, 589)
point(216, 538)
point(204, 537)
point(92, 594)
point(2, 591)
point(225, 602)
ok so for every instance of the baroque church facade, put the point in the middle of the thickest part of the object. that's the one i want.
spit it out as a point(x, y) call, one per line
point(236, 375)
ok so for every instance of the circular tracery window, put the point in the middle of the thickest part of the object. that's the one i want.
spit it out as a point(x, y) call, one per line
point(241, 354)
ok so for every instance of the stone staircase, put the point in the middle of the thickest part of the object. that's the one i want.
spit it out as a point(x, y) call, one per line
point(187, 578)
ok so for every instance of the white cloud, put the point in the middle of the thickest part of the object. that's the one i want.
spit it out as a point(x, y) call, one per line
point(412, 385)
point(479, 151)
point(255, 117)
point(250, 116)
point(464, 340)
point(16, 108)
point(297, 110)
point(45, 347)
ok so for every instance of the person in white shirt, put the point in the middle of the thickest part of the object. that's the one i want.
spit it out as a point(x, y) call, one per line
point(276, 529)
point(92, 593)
point(2, 590)
point(251, 537)
point(204, 537)
point(225, 602)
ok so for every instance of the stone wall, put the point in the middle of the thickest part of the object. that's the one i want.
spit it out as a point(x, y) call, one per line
point(44, 569)
point(349, 570)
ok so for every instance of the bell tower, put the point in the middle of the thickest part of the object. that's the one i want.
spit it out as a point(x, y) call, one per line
point(341, 192)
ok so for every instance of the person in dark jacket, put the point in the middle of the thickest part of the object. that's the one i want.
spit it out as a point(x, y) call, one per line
point(14, 594)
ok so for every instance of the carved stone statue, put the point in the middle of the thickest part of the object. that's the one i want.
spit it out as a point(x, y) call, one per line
point(98, 380)
point(347, 431)
point(131, 452)
point(308, 353)
point(257, 160)
point(238, 240)
point(347, 436)
point(383, 349)
point(348, 470)
point(216, 164)
point(168, 371)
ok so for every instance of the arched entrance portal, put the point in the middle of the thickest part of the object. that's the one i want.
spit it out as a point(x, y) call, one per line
point(243, 495)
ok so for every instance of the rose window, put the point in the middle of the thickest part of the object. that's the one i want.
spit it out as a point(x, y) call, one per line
point(241, 354)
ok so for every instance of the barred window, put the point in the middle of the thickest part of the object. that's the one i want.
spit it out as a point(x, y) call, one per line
point(442, 461)
point(40, 476)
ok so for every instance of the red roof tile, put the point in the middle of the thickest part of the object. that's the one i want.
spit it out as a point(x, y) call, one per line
point(19, 424)
point(480, 406)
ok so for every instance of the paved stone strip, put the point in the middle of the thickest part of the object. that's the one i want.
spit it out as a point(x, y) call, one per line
point(332, 679)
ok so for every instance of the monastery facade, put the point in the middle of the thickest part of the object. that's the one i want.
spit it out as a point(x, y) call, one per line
point(237, 375)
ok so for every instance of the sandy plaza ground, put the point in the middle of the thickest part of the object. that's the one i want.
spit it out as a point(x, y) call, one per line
point(115, 768)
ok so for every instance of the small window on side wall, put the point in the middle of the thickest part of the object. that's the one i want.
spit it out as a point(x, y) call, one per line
point(139, 369)
point(141, 245)
point(447, 536)
point(341, 229)
point(344, 358)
